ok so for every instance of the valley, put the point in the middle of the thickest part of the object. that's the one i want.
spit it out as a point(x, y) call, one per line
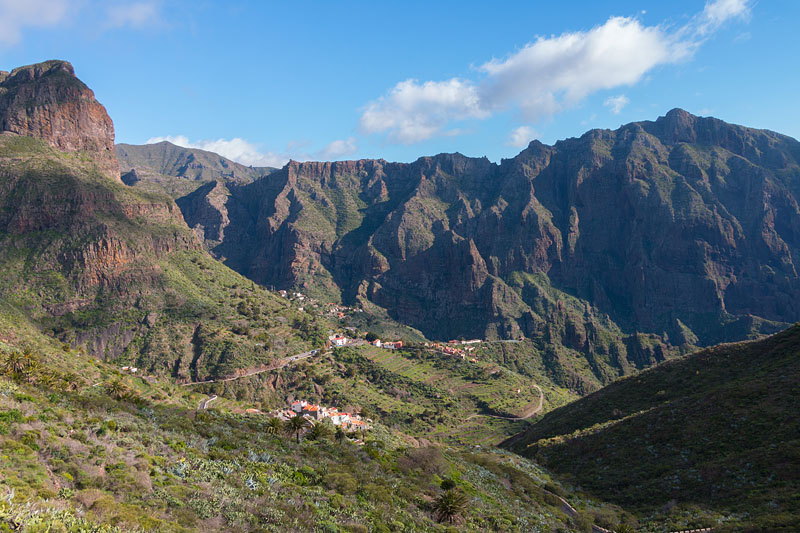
point(591, 336)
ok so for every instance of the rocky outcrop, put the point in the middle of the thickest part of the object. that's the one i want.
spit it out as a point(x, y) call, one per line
point(685, 228)
point(47, 101)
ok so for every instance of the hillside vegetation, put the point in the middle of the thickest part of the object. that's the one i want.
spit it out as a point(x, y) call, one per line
point(84, 447)
point(717, 430)
point(115, 271)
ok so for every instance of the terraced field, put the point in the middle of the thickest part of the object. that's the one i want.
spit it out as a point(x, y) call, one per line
point(496, 386)
point(474, 388)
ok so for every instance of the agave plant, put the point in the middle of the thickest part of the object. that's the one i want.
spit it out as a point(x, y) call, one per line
point(450, 505)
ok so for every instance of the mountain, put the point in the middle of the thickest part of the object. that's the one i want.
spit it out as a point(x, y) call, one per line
point(626, 246)
point(48, 102)
point(107, 267)
point(178, 170)
point(716, 430)
point(98, 274)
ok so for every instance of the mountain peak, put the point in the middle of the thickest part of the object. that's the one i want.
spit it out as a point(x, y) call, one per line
point(678, 125)
point(46, 100)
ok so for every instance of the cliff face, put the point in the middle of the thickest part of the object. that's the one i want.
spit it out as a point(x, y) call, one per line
point(48, 102)
point(105, 266)
point(685, 227)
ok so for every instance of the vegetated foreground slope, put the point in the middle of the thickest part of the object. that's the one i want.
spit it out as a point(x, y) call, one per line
point(116, 270)
point(718, 429)
point(84, 447)
point(685, 227)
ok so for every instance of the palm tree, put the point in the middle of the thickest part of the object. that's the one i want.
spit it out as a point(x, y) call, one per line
point(296, 425)
point(116, 389)
point(20, 364)
point(450, 505)
point(274, 426)
point(319, 431)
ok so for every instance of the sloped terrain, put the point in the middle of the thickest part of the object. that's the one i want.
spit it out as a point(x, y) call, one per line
point(685, 227)
point(717, 430)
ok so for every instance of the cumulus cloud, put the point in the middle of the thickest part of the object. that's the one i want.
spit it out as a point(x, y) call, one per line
point(616, 103)
point(414, 111)
point(15, 15)
point(521, 136)
point(338, 149)
point(134, 15)
point(545, 76)
point(247, 153)
point(554, 73)
point(235, 149)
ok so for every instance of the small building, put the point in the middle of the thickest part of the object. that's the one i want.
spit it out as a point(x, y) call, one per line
point(338, 341)
point(376, 342)
point(393, 345)
point(299, 405)
point(313, 411)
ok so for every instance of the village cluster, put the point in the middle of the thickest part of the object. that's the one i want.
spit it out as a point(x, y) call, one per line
point(343, 340)
point(452, 348)
point(317, 413)
point(330, 309)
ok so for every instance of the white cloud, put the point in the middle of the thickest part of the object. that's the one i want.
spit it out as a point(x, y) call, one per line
point(235, 149)
point(338, 149)
point(546, 76)
point(414, 111)
point(15, 15)
point(135, 15)
point(554, 73)
point(247, 153)
point(718, 12)
point(616, 103)
point(521, 136)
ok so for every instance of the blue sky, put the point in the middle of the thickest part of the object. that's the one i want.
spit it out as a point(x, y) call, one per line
point(262, 82)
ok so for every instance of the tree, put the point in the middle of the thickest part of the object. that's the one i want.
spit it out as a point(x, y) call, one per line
point(295, 426)
point(319, 431)
point(116, 389)
point(20, 364)
point(340, 434)
point(449, 506)
point(274, 426)
point(371, 337)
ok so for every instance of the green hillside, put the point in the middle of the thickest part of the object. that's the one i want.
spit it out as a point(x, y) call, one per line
point(713, 432)
point(115, 271)
point(84, 447)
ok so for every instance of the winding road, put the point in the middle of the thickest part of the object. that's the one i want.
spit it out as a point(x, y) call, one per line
point(532, 412)
point(204, 404)
point(280, 363)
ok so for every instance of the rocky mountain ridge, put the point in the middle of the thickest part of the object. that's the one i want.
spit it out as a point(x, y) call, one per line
point(108, 268)
point(685, 227)
point(47, 101)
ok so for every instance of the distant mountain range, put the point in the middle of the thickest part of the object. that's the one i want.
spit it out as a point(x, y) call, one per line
point(609, 253)
point(686, 228)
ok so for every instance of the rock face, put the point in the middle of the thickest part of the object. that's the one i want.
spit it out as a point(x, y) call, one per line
point(48, 102)
point(686, 227)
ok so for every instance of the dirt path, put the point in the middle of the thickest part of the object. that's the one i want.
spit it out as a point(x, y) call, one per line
point(280, 363)
point(527, 414)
